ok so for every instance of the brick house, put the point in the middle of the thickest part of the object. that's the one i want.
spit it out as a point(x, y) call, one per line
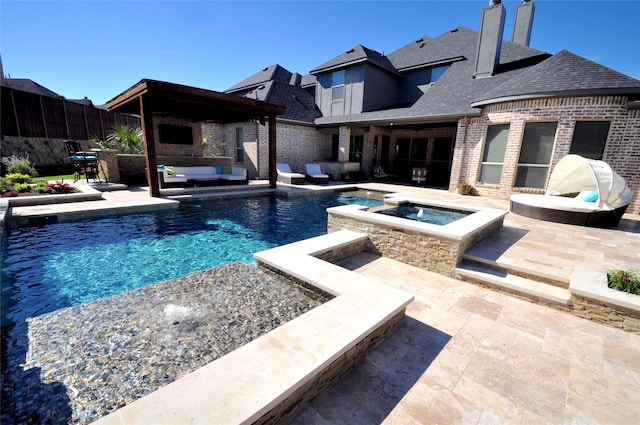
point(467, 105)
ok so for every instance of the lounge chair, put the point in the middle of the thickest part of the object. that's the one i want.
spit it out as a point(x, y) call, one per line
point(381, 175)
point(315, 174)
point(581, 191)
point(285, 175)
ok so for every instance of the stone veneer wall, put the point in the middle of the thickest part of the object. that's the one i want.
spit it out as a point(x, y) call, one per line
point(290, 408)
point(591, 310)
point(622, 150)
point(428, 252)
point(46, 153)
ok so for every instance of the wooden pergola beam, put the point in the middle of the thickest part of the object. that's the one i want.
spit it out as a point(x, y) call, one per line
point(150, 96)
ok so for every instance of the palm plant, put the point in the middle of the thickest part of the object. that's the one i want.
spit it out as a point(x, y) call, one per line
point(128, 138)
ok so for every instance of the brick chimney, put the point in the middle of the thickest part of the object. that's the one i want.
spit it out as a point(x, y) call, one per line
point(490, 40)
point(523, 23)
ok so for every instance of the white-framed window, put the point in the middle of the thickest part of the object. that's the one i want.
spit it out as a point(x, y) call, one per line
point(589, 138)
point(239, 145)
point(337, 85)
point(493, 156)
point(535, 154)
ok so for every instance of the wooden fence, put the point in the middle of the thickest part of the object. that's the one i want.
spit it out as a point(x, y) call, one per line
point(27, 114)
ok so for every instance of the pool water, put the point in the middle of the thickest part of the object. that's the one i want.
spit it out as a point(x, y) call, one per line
point(52, 266)
point(426, 214)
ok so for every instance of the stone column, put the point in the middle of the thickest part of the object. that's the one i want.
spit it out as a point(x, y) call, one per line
point(344, 144)
point(108, 169)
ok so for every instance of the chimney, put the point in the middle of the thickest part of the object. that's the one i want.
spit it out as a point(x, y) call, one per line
point(523, 23)
point(490, 41)
point(295, 79)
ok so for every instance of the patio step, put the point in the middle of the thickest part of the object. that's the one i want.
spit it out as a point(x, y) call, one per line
point(509, 282)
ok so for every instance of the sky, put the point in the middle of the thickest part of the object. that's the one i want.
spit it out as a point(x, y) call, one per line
point(99, 49)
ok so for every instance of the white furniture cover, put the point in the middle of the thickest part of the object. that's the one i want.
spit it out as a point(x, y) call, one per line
point(574, 173)
point(284, 169)
point(315, 171)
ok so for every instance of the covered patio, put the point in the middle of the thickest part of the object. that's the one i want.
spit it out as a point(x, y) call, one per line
point(150, 97)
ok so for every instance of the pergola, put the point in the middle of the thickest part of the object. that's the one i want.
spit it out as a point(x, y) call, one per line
point(149, 97)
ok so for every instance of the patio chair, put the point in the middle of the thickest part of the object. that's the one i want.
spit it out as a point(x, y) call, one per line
point(285, 175)
point(315, 174)
point(83, 162)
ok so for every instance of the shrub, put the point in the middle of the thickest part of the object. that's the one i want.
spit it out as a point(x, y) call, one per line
point(4, 185)
point(60, 187)
point(624, 280)
point(16, 178)
point(19, 165)
point(10, 194)
point(41, 187)
point(22, 187)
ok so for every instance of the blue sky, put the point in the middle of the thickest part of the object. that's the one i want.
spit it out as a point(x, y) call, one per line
point(98, 49)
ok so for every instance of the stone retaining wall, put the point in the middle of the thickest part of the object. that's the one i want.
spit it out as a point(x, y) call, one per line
point(600, 313)
point(429, 252)
point(289, 409)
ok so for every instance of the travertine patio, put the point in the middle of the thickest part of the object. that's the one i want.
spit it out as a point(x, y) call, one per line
point(467, 354)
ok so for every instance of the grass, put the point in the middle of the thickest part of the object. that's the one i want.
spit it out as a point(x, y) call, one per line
point(61, 177)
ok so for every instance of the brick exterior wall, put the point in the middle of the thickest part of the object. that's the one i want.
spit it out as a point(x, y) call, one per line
point(622, 149)
point(194, 149)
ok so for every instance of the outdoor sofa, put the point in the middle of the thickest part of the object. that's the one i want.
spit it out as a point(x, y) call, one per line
point(171, 176)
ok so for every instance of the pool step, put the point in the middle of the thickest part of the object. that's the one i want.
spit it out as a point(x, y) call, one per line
point(510, 282)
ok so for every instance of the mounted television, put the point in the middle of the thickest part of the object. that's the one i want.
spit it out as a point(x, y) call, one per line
point(175, 134)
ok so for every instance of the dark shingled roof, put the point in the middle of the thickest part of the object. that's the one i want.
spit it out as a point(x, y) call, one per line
point(301, 106)
point(358, 54)
point(29, 86)
point(522, 72)
point(271, 73)
point(422, 53)
point(564, 74)
point(308, 80)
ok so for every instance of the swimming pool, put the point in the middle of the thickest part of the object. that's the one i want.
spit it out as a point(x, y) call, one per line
point(52, 266)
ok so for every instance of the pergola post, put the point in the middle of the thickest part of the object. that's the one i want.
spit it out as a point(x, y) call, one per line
point(149, 148)
point(273, 174)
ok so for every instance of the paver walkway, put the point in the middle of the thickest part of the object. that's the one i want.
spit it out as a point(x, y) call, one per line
point(469, 355)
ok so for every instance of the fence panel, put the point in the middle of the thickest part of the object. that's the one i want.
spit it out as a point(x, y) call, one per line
point(55, 119)
point(108, 119)
point(9, 124)
point(93, 122)
point(29, 109)
point(76, 120)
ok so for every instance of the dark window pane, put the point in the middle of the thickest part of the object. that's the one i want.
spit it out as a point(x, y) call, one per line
point(589, 138)
point(403, 147)
point(496, 143)
point(537, 143)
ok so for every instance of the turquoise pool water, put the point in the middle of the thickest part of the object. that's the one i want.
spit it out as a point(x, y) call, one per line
point(52, 266)
point(426, 213)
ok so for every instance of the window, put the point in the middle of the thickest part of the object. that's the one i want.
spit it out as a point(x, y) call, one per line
point(493, 156)
point(436, 73)
point(239, 145)
point(589, 138)
point(355, 148)
point(337, 85)
point(535, 154)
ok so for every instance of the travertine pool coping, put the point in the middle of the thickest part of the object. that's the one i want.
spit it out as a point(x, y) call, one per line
point(591, 283)
point(244, 385)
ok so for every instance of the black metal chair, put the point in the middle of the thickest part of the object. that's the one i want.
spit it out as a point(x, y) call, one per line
point(83, 162)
